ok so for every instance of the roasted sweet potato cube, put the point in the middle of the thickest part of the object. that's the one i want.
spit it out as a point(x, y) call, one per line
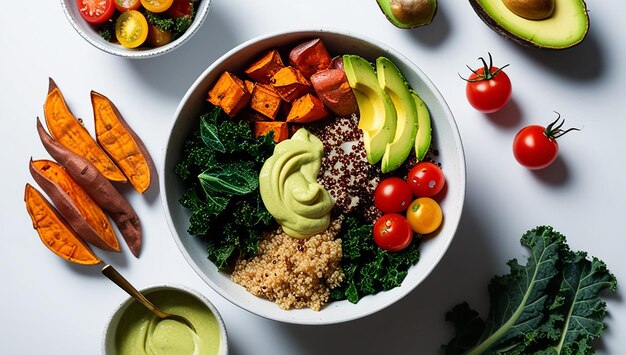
point(290, 83)
point(265, 100)
point(263, 69)
point(310, 57)
point(249, 85)
point(229, 93)
point(280, 128)
point(307, 108)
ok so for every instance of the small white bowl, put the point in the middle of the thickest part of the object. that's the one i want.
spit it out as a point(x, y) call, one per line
point(108, 342)
point(87, 31)
point(445, 137)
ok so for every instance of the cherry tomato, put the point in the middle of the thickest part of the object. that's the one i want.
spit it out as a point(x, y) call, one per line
point(392, 195)
point(426, 179)
point(156, 6)
point(535, 147)
point(180, 8)
point(424, 215)
point(392, 232)
point(125, 5)
point(95, 11)
point(488, 88)
point(131, 29)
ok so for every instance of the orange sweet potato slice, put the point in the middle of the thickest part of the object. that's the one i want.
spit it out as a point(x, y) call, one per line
point(280, 128)
point(68, 131)
point(54, 231)
point(122, 143)
point(263, 69)
point(290, 83)
point(229, 93)
point(265, 100)
point(306, 109)
point(79, 210)
point(98, 187)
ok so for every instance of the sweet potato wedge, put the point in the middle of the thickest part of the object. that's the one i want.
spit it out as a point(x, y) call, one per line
point(280, 128)
point(306, 109)
point(310, 57)
point(265, 100)
point(263, 69)
point(122, 143)
point(229, 93)
point(68, 131)
point(290, 83)
point(332, 87)
point(98, 187)
point(72, 201)
point(54, 231)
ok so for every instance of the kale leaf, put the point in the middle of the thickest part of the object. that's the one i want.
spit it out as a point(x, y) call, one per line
point(220, 167)
point(367, 268)
point(551, 305)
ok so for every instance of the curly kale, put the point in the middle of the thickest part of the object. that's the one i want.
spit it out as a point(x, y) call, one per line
point(551, 305)
point(367, 268)
point(176, 25)
point(220, 168)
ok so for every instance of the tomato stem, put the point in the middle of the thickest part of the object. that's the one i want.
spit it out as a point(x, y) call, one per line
point(554, 130)
point(486, 74)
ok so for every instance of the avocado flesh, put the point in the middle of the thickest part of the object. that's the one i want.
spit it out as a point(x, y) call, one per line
point(393, 83)
point(567, 26)
point(377, 114)
point(423, 136)
point(425, 18)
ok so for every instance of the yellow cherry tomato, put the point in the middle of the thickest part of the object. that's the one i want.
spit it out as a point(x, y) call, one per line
point(131, 29)
point(157, 5)
point(424, 215)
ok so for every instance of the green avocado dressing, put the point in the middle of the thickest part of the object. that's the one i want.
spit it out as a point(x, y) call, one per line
point(289, 187)
point(141, 332)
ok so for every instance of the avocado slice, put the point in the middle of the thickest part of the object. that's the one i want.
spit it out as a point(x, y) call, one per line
point(409, 13)
point(393, 83)
point(566, 28)
point(377, 114)
point(424, 129)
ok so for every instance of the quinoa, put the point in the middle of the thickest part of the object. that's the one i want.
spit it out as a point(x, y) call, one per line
point(294, 273)
point(345, 172)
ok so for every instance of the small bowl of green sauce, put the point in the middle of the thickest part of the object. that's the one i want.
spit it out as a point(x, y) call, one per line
point(133, 329)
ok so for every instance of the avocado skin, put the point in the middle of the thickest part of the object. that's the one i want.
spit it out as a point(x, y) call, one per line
point(489, 21)
point(400, 24)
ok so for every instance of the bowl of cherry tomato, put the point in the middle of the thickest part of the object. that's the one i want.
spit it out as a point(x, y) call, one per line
point(136, 28)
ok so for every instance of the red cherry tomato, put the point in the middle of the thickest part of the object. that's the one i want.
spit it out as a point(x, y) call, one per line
point(180, 8)
point(535, 147)
point(392, 195)
point(426, 179)
point(95, 11)
point(392, 232)
point(488, 88)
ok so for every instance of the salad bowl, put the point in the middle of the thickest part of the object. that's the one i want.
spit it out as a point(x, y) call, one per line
point(91, 35)
point(446, 143)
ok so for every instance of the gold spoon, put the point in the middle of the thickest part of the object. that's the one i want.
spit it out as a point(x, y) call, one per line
point(110, 272)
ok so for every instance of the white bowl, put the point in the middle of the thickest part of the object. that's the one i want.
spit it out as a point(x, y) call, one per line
point(92, 36)
point(445, 136)
point(108, 342)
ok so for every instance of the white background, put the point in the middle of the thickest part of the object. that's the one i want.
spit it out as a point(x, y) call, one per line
point(50, 306)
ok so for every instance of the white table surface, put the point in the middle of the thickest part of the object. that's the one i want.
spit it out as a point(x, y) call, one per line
point(53, 307)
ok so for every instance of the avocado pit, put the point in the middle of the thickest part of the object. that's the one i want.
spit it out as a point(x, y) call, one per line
point(409, 13)
point(531, 9)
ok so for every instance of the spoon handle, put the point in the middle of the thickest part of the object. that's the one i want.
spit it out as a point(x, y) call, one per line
point(110, 272)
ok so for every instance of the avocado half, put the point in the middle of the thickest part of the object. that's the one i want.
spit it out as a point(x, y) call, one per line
point(414, 13)
point(566, 28)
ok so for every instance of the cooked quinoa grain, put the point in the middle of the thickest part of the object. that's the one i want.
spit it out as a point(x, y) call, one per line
point(295, 273)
